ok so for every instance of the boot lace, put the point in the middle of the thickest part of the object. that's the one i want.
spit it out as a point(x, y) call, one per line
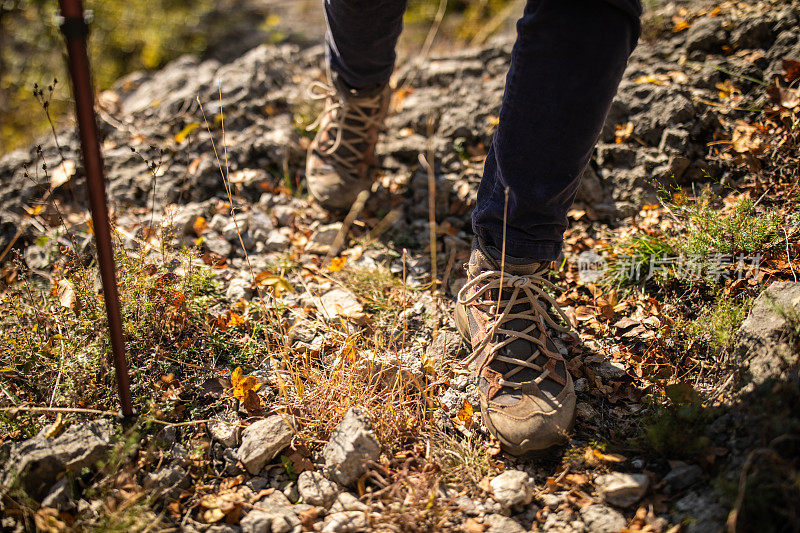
point(353, 119)
point(527, 290)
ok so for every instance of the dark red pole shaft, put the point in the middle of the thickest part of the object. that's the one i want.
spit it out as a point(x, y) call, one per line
point(75, 29)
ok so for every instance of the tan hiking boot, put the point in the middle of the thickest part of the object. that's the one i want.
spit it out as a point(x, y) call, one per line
point(341, 159)
point(527, 396)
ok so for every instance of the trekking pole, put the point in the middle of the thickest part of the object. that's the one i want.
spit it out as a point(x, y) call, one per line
point(75, 30)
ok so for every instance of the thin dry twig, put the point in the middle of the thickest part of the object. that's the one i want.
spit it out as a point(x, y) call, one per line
point(788, 255)
point(57, 410)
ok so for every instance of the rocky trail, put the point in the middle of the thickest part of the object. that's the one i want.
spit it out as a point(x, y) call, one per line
point(300, 371)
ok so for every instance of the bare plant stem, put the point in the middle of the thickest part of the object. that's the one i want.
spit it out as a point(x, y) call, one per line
point(429, 163)
point(502, 260)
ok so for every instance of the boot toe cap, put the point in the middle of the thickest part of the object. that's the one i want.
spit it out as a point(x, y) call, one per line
point(531, 427)
point(330, 186)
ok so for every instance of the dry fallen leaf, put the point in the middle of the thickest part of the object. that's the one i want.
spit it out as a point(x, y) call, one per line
point(680, 24)
point(199, 226)
point(337, 263)
point(466, 411)
point(62, 173)
point(606, 457)
point(55, 428)
point(428, 364)
point(65, 291)
point(746, 138)
point(47, 520)
point(653, 79)
point(168, 279)
point(182, 135)
point(623, 132)
point(493, 447)
point(245, 389)
point(464, 415)
point(234, 320)
point(278, 283)
point(308, 518)
point(214, 259)
point(791, 68)
point(226, 506)
point(473, 526)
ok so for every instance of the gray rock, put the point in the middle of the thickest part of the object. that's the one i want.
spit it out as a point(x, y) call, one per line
point(222, 528)
point(260, 221)
point(322, 239)
point(752, 33)
point(339, 302)
point(552, 500)
point(37, 257)
point(218, 222)
point(60, 496)
point(701, 512)
point(184, 218)
point(445, 346)
point(761, 343)
point(512, 487)
point(238, 289)
point(167, 481)
point(682, 477)
point(230, 459)
point(164, 478)
point(453, 400)
point(460, 382)
point(291, 492)
point(233, 229)
point(193, 526)
point(178, 453)
point(466, 505)
point(610, 371)
point(225, 428)
point(345, 522)
point(166, 437)
point(352, 444)
point(259, 521)
point(705, 35)
point(347, 502)
point(275, 502)
point(36, 463)
point(674, 141)
point(602, 519)
point(257, 483)
point(214, 242)
point(501, 524)
point(616, 155)
point(277, 241)
point(586, 412)
point(262, 441)
point(581, 384)
point(284, 214)
point(316, 489)
point(622, 490)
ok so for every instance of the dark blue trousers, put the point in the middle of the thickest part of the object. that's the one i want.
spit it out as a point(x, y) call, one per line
point(565, 68)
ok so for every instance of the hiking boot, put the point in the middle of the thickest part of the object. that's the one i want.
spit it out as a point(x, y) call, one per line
point(341, 159)
point(526, 393)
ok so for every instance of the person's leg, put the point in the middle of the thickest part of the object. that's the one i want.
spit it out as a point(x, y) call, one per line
point(565, 68)
point(361, 39)
point(360, 43)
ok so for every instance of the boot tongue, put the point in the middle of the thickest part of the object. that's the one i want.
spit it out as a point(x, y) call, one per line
point(350, 92)
point(488, 258)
